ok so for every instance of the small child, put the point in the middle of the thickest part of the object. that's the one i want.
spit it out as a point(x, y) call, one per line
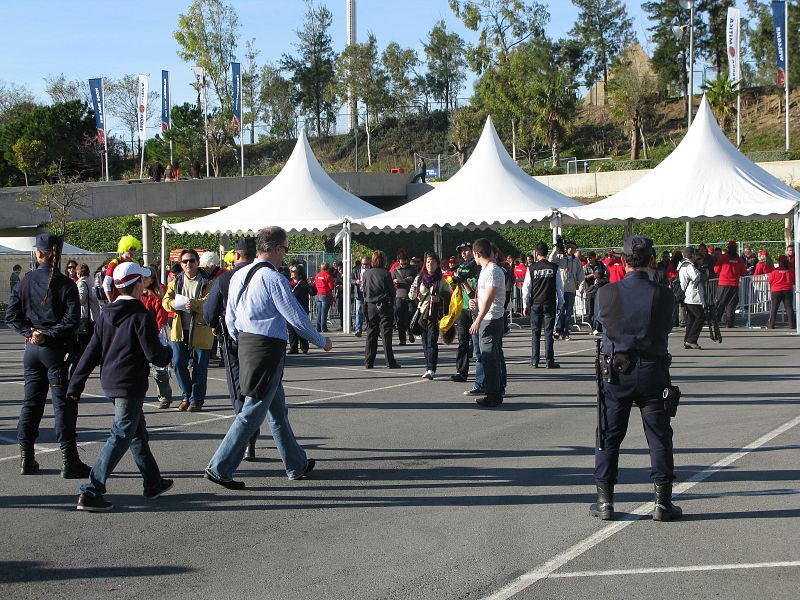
point(126, 341)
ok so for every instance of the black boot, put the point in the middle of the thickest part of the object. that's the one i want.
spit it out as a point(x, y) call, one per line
point(72, 467)
point(27, 460)
point(604, 507)
point(664, 509)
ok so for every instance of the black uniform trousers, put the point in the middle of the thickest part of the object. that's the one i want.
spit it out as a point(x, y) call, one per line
point(727, 299)
point(643, 386)
point(463, 352)
point(786, 298)
point(44, 369)
point(695, 318)
point(380, 320)
point(543, 316)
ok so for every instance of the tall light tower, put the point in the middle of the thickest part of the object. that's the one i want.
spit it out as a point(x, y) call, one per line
point(352, 118)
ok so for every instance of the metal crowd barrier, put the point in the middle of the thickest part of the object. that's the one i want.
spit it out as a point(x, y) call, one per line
point(754, 298)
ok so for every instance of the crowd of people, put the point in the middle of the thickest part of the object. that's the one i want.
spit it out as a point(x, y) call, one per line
point(205, 307)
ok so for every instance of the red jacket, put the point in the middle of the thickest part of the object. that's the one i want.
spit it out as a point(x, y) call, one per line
point(616, 272)
point(730, 269)
point(519, 273)
point(324, 283)
point(153, 304)
point(781, 281)
point(764, 268)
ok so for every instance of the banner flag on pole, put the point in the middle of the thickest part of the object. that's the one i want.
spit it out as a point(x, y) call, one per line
point(734, 60)
point(200, 80)
point(165, 101)
point(96, 88)
point(142, 103)
point(237, 94)
point(778, 18)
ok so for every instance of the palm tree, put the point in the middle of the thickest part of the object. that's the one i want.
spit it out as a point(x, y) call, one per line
point(553, 104)
point(721, 96)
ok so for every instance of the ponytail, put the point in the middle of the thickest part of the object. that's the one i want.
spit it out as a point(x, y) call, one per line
point(52, 259)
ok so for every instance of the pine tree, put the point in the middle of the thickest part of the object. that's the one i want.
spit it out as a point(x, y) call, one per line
point(713, 45)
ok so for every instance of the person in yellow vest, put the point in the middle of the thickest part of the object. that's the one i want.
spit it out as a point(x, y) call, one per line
point(190, 334)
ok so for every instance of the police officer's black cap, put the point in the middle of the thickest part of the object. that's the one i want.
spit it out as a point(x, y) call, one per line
point(463, 245)
point(46, 240)
point(632, 244)
point(245, 244)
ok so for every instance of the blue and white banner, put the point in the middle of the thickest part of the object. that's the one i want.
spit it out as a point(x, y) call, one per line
point(142, 106)
point(165, 101)
point(778, 20)
point(96, 89)
point(236, 68)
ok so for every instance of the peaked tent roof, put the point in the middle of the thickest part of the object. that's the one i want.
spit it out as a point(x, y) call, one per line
point(28, 244)
point(704, 178)
point(301, 198)
point(490, 189)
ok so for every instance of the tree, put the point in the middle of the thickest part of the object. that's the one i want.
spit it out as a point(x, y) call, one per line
point(632, 95)
point(713, 45)
point(122, 102)
point(359, 69)
point(465, 129)
point(208, 37)
point(721, 96)
point(186, 133)
point(12, 97)
point(250, 89)
point(313, 71)
point(28, 155)
point(760, 34)
point(60, 199)
point(446, 64)
point(400, 64)
point(277, 96)
point(61, 90)
point(604, 29)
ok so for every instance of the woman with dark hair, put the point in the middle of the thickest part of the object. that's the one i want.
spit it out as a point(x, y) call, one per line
point(730, 267)
point(302, 292)
point(781, 284)
point(152, 298)
point(433, 294)
point(379, 296)
point(90, 310)
point(325, 285)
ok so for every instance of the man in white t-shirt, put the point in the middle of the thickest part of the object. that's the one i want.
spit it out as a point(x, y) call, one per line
point(489, 322)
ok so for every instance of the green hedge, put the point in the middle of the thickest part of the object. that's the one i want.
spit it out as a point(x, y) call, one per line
point(625, 165)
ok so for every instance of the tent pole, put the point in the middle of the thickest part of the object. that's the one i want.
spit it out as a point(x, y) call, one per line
point(796, 267)
point(346, 268)
point(437, 240)
point(628, 230)
point(688, 233)
point(164, 252)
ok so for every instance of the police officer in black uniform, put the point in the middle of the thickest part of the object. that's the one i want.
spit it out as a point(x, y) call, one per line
point(45, 310)
point(214, 314)
point(636, 318)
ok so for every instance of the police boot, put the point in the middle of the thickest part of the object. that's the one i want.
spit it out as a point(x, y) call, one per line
point(27, 460)
point(71, 466)
point(604, 507)
point(664, 509)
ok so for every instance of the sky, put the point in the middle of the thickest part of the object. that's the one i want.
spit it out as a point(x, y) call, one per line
point(92, 38)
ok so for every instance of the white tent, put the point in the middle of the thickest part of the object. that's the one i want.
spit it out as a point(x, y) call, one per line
point(28, 244)
point(302, 198)
point(490, 190)
point(704, 178)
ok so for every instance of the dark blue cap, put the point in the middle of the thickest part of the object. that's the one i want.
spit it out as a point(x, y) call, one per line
point(46, 240)
point(245, 244)
point(635, 243)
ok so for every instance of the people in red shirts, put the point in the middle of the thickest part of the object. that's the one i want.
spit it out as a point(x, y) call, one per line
point(730, 267)
point(616, 272)
point(325, 285)
point(781, 285)
point(764, 265)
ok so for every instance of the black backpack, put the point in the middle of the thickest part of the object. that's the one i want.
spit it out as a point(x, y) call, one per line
point(677, 289)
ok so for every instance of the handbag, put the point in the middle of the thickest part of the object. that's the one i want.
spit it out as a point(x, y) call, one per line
point(416, 327)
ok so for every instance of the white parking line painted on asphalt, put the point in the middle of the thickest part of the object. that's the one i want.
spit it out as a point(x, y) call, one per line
point(689, 569)
point(347, 395)
point(294, 387)
point(547, 569)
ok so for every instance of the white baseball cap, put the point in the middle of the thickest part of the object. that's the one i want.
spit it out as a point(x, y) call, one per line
point(127, 273)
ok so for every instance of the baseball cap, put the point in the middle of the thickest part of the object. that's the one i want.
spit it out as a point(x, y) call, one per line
point(634, 242)
point(46, 240)
point(244, 244)
point(762, 253)
point(127, 273)
point(463, 245)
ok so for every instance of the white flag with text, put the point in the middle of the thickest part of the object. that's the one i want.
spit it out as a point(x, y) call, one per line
point(142, 106)
point(734, 60)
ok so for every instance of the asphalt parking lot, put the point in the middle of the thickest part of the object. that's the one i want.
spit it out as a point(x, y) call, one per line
point(417, 493)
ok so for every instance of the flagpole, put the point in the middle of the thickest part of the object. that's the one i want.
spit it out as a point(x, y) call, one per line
point(169, 116)
point(105, 124)
point(205, 120)
point(241, 122)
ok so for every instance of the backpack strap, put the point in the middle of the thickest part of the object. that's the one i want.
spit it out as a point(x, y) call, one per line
point(249, 277)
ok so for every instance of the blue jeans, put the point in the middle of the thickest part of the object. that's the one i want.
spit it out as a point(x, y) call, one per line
point(359, 313)
point(193, 386)
point(323, 306)
point(476, 352)
point(128, 431)
point(542, 316)
point(247, 423)
point(564, 318)
point(491, 353)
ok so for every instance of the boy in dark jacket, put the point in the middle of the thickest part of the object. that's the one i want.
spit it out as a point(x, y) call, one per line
point(126, 341)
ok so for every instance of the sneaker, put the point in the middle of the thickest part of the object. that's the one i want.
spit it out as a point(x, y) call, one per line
point(475, 391)
point(429, 375)
point(458, 378)
point(310, 463)
point(489, 402)
point(226, 483)
point(595, 332)
point(164, 404)
point(93, 503)
point(357, 334)
point(555, 336)
point(163, 486)
point(195, 407)
point(184, 405)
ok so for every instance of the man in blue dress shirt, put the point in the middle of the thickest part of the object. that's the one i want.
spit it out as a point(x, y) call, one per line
point(260, 303)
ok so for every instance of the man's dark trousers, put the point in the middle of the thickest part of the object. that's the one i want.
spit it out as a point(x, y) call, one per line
point(542, 316)
point(463, 323)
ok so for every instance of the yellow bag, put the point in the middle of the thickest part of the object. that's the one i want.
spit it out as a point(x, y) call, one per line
point(456, 305)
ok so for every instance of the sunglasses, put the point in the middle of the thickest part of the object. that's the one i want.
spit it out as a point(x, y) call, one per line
point(189, 261)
